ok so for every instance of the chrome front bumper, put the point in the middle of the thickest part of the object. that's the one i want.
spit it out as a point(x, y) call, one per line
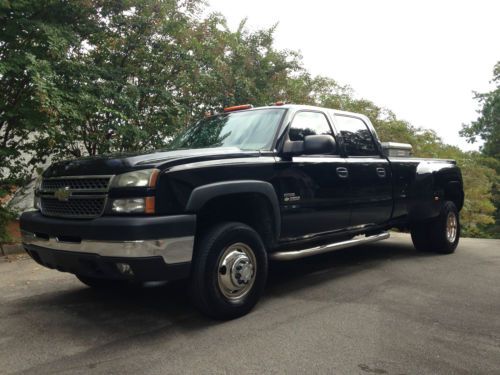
point(172, 250)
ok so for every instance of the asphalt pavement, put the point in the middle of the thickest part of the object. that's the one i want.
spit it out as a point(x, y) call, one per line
point(376, 309)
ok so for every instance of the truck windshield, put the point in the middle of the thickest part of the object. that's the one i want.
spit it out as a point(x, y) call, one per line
point(247, 130)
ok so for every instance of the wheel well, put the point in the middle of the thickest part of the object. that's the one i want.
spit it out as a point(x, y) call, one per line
point(454, 193)
point(252, 209)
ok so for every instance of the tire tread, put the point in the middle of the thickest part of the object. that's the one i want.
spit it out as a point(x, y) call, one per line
point(202, 290)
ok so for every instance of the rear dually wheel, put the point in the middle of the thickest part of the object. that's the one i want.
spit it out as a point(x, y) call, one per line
point(440, 234)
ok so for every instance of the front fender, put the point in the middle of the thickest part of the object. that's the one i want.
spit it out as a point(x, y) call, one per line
point(202, 194)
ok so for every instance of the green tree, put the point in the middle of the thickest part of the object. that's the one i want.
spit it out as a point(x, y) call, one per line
point(36, 44)
point(487, 126)
point(154, 67)
point(487, 129)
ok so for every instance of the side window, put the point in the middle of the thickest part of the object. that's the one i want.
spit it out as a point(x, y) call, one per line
point(357, 137)
point(308, 123)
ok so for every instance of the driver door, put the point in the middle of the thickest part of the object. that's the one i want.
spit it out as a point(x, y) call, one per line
point(313, 188)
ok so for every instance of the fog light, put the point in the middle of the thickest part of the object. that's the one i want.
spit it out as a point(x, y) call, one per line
point(125, 269)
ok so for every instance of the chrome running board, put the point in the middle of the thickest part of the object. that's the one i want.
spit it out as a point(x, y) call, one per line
point(296, 254)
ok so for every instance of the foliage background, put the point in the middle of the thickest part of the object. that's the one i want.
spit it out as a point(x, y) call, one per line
point(72, 70)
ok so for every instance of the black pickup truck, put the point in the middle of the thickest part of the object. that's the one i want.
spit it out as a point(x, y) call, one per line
point(231, 192)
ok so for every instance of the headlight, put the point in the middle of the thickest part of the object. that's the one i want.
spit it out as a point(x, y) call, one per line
point(36, 197)
point(134, 205)
point(142, 178)
point(139, 205)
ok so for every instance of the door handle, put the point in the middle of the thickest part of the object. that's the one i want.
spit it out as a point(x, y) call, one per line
point(342, 172)
point(381, 172)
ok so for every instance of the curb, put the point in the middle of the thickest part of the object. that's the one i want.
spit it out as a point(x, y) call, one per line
point(11, 249)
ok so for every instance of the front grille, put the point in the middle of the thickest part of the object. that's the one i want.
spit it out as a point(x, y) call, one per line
point(74, 197)
point(91, 183)
point(75, 208)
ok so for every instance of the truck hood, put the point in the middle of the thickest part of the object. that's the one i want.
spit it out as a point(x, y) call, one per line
point(121, 163)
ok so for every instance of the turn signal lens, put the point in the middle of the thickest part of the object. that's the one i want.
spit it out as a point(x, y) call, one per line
point(153, 179)
point(150, 205)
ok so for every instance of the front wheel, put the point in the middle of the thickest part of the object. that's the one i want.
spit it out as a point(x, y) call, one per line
point(440, 234)
point(229, 271)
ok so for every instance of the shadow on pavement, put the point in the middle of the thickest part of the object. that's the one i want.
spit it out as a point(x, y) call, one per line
point(148, 308)
point(330, 266)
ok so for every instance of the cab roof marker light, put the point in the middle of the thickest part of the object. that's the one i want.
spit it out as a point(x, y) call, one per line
point(238, 107)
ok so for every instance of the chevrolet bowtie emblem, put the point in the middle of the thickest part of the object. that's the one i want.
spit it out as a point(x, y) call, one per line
point(63, 194)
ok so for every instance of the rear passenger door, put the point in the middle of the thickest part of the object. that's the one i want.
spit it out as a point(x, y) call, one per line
point(369, 173)
point(314, 188)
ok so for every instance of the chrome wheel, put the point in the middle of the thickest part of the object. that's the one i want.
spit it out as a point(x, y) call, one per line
point(237, 270)
point(451, 227)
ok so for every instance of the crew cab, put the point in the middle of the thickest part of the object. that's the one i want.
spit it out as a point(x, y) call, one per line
point(232, 192)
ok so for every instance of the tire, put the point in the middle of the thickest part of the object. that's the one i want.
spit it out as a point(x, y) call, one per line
point(441, 234)
point(229, 271)
point(420, 236)
point(98, 283)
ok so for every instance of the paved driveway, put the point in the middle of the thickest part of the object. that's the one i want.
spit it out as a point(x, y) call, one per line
point(377, 309)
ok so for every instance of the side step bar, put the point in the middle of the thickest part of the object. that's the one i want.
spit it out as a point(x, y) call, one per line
point(291, 255)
